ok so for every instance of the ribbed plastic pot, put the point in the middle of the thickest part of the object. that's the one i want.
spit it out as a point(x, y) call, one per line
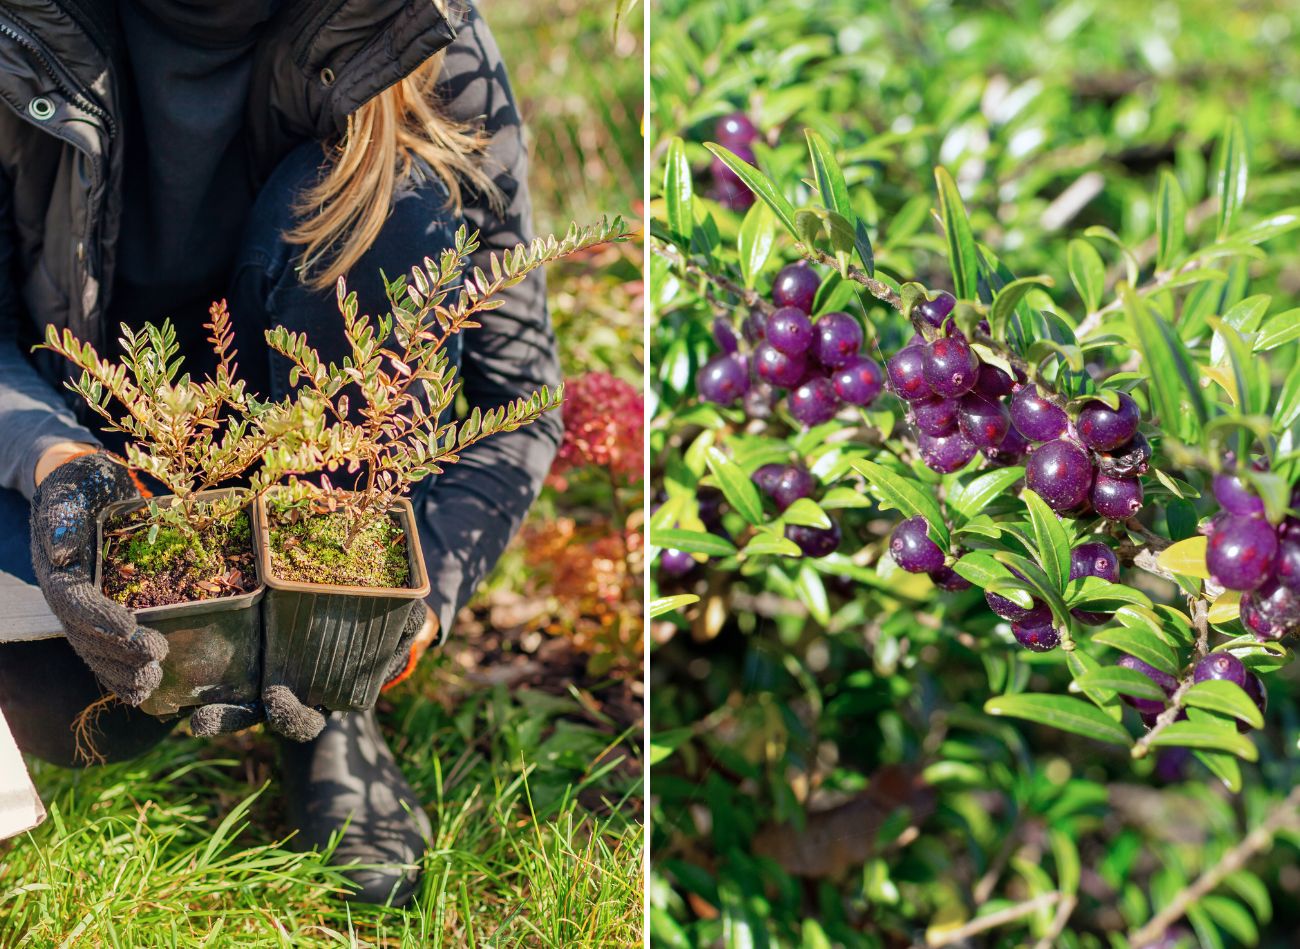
point(332, 645)
point(213, 646)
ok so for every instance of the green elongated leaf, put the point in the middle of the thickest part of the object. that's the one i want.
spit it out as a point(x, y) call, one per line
point(1245, 317)
point(835, 196)
point(1174, 379)
point(770, 542)
point(1224, 767)
point(755, 241)
point(678, 194)
point(760, 184)
point(961, 242)
point(1141, 645)
point(982, 569)
point(667, 604)
point(740, 492)
point(1207, 736)
point(1080, 664)
point(1227, 698)
point(1252, 889)
point(1039, 582)
point(1270, 227)
point(1102, 596)
point(841, 497)
point(1280, 329)
point(1008, 298)
point(1287, 410)
point(1061, 711)
point(1171, 219)
point(1065, 853)
point(1232, 918)
point(693, 542)
point(1051, 539)
point(1087, 272)
point(975, 495)
point(812, 593)
point(1122, 681)
point(1249, 374)
point(904, 496)
point(805, 511)
point(1231, 174)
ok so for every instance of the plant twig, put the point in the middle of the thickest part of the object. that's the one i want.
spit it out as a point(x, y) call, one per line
point(1063, 911)
point(751, 298)
point(984, 923)
point(1200, 621)
point(877, 288)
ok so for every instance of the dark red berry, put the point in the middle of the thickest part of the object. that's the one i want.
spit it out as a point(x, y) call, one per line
point(813, 402)
point(723, 379)
point(1104, 428)
point(838, 339)
point(1220, 667)
point(906, 370)
point(734, 130)
point(1036, 615)
point(1255, 689)
point(1060, 473)
point(674, 563)
point(796, 285)
point(1010, 450)
point(860, 382)
point(725, 335)
point(814, 541)
point(709, 501)
point(1036, 638)
point(1286, 566)
point(945, 453)
point(728, 188)
point(912, 548)
point(792, 484)
point(1240, 551)
point(778, 368)
point(993, 382)
point(1128, 460)
point(1235, 496)
point(951, 367)
point(983, 421)
point(790, 330)
point(1093, 559)
point(946, 578)
point(754, 326)
point(936, 416)
point(767, 476)
point(1271, 611)
point(1116, 498)
point(1168, 684)
point(936, 311)
point(1038, 419)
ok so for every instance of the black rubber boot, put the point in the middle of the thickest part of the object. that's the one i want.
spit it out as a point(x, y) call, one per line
point(347, 776)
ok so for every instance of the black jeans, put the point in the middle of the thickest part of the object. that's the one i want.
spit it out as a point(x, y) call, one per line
point(44, 686)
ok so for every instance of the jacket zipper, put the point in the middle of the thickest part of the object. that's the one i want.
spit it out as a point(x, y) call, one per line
point(50, 65)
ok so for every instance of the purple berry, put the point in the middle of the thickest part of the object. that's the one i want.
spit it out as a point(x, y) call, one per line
point(723, 379)
point(796, 285)
point(1272, 611)
point(790, 331)
point(728, 188)
point(1116, 498)
point(725, 336)
point(838, 339)
point(709, 501)
point(1093, 559)
point(792, 484)
point(767, 476)
point(912, 548)
point(983, 421)
point(1234, 496)
point(945, 453)
point(935, 416)
point(936, 311)
point(813, 402)
point(734, 130)
point(951, 367)
point(778, 368)
point(759, 400)
point(1168, 684)
point(754, 326)
point(860, 382)
point(993, 382)
point(1036, 615)
point(1104, 428)
point(1128, 460)
point(1010, 450)
point(1286, 566)
point(906, 369)
point(1240, 551)
point(946, 578)
point(1255, 689)
point(1036, 638)
point(674, 563)
point(1060, 473)
point(1038, 419)
point(1220, 667)
point(814, 541)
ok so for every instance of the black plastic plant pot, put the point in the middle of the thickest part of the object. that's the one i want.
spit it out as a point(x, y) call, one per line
point(332, 645)
point(213, 646)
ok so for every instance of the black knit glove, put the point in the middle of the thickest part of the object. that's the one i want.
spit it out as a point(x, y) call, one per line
point(123, 655)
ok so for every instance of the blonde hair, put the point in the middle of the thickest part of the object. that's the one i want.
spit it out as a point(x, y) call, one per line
point(340, 217)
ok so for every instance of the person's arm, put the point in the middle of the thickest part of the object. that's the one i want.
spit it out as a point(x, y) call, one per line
point(37, 427)
point(477, 504)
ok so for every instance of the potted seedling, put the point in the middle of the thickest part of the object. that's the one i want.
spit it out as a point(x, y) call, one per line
point(184, 562)
point(341, 557)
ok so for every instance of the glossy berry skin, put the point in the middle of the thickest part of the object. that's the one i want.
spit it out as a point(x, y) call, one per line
point(946, 578)
point(1010, 450)
point(946, 453)
point(936, 416)
point(1035, 417)
point(1116, 498)
point(792, 484)
point(1271, 611)
point(1103, 428)
point(838, 339)
point(813, 402)
point(735, 129)
point(790, 330)
point(951, 367)
point(983, 421)
point(723, 379)
point(906, 369)
point(1128, 460)
point(1286, 566)
point(1168, 684)
point(1036, 615)
point(993, 382)
point(936, 311)
point(814, 541)
point(778, 368)
point(1036, 638)
point(796, 285)
point(1240, 551)
point(912, 548)
point(1060, 473)
point(860, 382)
point(1220, 667)
point(1093, 559)
point(767, 476)
point(725, 336)
point(1235, 496)
point(674, 563)
point(754, 327)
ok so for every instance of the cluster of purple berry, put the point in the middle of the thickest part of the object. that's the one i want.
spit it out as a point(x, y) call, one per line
point(1217, 666)
point(737, 134)
point(961, 406)
point(819, 363)
point(785, 484)
point(1247, 553)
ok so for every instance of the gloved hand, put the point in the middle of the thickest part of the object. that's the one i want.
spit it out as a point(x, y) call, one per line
point(124, 656)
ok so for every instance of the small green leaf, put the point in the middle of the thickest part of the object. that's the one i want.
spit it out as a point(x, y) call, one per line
point(1186, 558)
point(975, 495)
point(1232, 918)
point(1140, 645)
point(1174, 379)
point(1171, 219)
point(693, 542)
point(739, 491)
point(835, 196)
point(770, 542)
point(1102, 596)
point(903, 495)
point(1270, 227)
point(755, 241)
point(806, 512)
point(1008, 298)
point(678, 194)
point(1060, 711)
point(1231, 173)
point(1207, 736)
point(1227, 698)
point(1051, 538)
point(812, 593)
point(760, 184)
point(1280, 329)
point(961, 242)
point(1087, 271)
point(1122, 681)
point(667, 604)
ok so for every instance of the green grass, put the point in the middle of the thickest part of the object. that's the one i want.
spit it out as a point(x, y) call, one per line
point(535, 802)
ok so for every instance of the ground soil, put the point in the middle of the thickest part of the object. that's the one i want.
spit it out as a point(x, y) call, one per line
point(218, 562)
point(314, 548)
